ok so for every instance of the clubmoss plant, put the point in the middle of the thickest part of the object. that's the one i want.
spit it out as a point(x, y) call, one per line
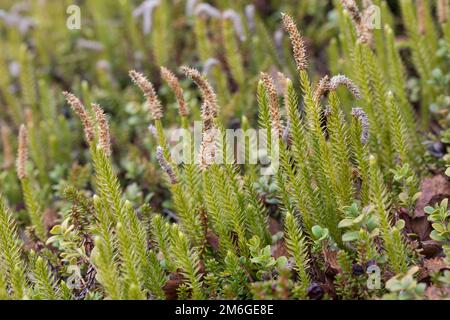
point(115, 216)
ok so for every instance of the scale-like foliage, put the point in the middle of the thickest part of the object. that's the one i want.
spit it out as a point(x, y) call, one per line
point(297, 248)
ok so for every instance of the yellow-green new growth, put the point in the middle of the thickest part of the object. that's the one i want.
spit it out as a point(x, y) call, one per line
point(165, 165)
point(364, 34)
point(31, 202)
point(174, 84)
point(341, 80)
